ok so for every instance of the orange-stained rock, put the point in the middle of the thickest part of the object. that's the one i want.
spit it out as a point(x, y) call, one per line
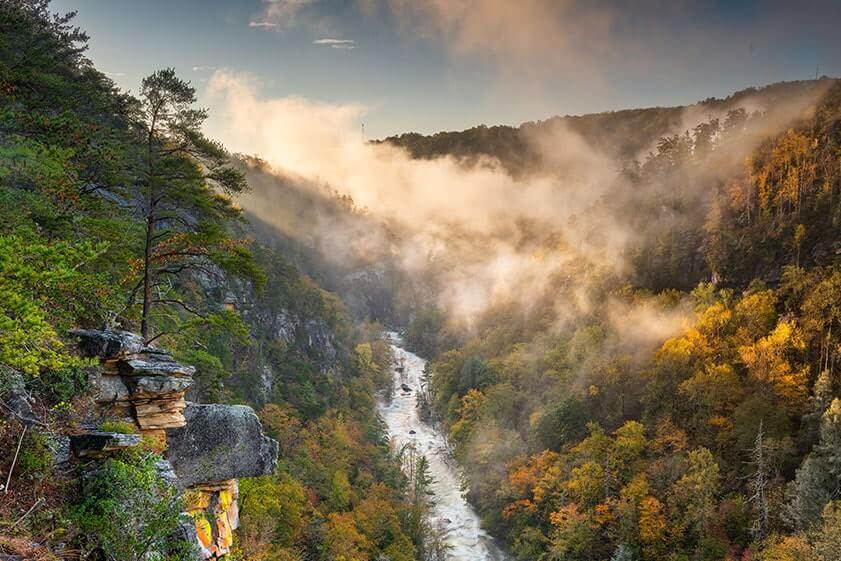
point(204, 530)
point(225, 537)
point(196, 499)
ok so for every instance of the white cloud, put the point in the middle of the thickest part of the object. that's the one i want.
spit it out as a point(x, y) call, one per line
point(261, 24)
point(281, 13)
point(336, 43)
point(203, 68)
point(114, 74)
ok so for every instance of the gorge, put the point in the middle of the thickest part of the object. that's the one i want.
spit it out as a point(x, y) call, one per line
point(459, 523)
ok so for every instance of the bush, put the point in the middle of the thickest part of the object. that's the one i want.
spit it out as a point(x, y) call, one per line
point(35, 456)
point(129, 513)
point(562, 423)
point(61, 385)
point(121, 427)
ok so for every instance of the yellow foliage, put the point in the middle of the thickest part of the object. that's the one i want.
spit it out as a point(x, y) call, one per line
point(586, 483)
point(713, 387)
point(344, 539)
point(669, 438)
point(787, 548)
point(652, 522)
point(767, 362)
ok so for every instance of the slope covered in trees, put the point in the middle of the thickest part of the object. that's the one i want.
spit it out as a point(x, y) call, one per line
point(626, 134)
point(116, 211)
point(685, 407)
point(682, 406)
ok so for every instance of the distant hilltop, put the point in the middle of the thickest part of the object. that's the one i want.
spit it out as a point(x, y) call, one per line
point(625, 134)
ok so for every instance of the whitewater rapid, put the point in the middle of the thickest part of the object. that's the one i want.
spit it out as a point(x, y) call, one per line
point(467, 540)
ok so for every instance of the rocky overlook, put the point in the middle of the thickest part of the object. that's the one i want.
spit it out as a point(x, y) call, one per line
point(206, 447)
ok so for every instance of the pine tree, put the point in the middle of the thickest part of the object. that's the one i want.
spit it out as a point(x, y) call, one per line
point(186, 181)
point(818, 480)
point(759, 487)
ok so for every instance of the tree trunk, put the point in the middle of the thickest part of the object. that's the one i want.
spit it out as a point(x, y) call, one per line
point(147, 268)
point(150, 233)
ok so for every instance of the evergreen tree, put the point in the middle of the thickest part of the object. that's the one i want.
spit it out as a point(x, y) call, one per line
point(186, 181)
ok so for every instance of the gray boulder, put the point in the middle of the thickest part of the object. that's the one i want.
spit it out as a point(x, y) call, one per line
point(220, 442)
point(108, 344)
point(20, 403)
point(154, 365)
point(14, 398)
point(151, 386)
point(165, 472)
point(109, 388)
point(59, 447)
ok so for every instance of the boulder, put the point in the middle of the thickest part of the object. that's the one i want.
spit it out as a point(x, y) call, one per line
point(106, 345)
point(165, 472)
point(98, 444)
point(152, 386)
point(59, 447)
point(20, 403)
point(14, 398)
point(109, 389)
point(218, 443)
point(154, 365)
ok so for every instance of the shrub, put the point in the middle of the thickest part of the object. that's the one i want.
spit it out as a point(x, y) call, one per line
point(35, 456)
point(121, 427)
point(129, 513)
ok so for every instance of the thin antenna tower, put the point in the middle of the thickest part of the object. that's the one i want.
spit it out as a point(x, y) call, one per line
point(363, 132)
point(817, 68)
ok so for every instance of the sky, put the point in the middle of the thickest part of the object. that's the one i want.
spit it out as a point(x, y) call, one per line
point(431, 65)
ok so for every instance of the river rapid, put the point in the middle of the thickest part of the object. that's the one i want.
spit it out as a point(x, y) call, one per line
point(467, 541)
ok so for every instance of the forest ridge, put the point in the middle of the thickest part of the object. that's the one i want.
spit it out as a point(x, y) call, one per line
point(659, 380)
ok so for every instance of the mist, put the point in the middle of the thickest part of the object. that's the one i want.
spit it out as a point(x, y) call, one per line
point(492, 236)
point(472, 232)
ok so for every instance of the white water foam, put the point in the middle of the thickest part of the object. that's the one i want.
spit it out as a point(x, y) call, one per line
point(467, 540)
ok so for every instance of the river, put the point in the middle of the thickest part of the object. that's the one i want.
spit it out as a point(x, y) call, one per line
point(467, 540)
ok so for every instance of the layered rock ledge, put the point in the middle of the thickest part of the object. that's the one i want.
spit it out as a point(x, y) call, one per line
point(207, 447)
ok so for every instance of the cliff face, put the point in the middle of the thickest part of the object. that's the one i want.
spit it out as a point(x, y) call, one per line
point(206, 447)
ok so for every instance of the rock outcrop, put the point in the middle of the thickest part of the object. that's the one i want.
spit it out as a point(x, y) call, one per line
point(98, 444)
point(207, 447)
point(218, 443)
point(138, 380)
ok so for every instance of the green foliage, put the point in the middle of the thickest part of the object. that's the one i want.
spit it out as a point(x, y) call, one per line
point(121, 427)
point(128, 512)
point(35, 278)
point(60, 385)
point(274, 510)
point(563, 423)
point(35, 456)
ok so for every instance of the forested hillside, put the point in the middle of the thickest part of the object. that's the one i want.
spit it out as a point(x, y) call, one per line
point(627, 134)
point(117, 213)
point(633, 322)
point(685, 406)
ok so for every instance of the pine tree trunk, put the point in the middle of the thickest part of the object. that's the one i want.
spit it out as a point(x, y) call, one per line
point(147, 269)
point(150, 235)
